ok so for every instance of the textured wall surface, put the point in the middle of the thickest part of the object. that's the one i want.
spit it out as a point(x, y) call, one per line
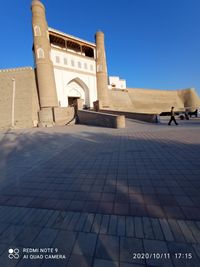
point(153, 101)
point(26, 98)
point(63, 116)
point(147, 117)
point(100, 119)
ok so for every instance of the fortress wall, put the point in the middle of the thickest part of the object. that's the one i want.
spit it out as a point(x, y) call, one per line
point(26, 98)
point(152, 101)
point(120, 99)
point(190, 98)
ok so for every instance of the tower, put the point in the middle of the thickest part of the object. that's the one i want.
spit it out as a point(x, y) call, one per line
point(101, 71)
point(44, 65)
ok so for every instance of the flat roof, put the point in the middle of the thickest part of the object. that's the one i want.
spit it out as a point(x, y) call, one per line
point(71, 37)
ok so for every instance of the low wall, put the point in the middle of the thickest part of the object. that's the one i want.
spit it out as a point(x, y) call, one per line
point(100, 119)
point(63, 116)
point(153, 118)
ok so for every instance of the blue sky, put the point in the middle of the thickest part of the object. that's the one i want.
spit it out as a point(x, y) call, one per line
point(150, 43)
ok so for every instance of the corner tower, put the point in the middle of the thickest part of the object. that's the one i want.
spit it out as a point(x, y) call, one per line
point(44, 65)
point(101, 70)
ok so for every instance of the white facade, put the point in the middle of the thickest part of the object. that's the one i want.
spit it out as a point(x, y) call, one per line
point(75, 75)
point(116, 83)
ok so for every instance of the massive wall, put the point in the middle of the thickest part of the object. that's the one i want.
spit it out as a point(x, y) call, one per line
point(153, 101)
point(26, 98)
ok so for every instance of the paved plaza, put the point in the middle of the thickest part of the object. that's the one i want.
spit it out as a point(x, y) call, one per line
point(102, 197)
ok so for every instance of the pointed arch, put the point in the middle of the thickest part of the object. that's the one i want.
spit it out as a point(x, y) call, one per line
point(84, 87)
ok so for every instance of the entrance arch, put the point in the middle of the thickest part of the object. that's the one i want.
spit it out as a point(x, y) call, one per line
point(78, 89)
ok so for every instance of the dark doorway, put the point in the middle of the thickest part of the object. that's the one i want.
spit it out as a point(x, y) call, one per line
point(72, 102)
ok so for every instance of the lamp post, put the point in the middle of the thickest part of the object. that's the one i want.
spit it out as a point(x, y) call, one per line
point(13, 103)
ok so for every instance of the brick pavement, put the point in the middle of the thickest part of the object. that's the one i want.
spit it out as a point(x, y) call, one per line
point(99, 195)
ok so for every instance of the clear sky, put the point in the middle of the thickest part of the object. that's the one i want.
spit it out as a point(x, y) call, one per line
point(150, 43)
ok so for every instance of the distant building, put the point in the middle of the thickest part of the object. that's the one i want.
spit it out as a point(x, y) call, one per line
point(116, 83)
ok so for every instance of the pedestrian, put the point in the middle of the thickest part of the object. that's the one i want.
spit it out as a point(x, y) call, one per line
point(172, 117)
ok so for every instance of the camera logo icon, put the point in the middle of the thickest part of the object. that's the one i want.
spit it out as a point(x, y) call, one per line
point(13, 253)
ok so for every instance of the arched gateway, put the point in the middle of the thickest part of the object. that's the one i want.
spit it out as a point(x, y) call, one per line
point(77, 89)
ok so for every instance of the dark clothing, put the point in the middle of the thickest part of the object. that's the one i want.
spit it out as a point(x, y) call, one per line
point(172, 113)
point(172, 119)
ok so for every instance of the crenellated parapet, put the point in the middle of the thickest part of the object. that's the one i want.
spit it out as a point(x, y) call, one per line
point(16, 69)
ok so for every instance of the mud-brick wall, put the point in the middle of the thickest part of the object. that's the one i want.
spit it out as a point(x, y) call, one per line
point(26, 104)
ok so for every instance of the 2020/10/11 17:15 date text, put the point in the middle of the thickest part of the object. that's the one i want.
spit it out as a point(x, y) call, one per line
point(158, 256)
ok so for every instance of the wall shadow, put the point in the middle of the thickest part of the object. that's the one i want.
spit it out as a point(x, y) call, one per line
point(101, 171)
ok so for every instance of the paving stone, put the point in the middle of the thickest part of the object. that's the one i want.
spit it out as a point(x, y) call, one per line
point(76, 205)
point(105, 263)
point(176, 230)
point(85, 244)
point(53, 263)
point(139, 210)
point(130, 232)
point(113, 225)
point(104, 224)
point(180, 252)
point(63, 204)
point(73, 221)
point(174, 212)
point(31, 263)
point(3, 247)
point(121, 226)
point(186, 231)
point(63, 220)
point(198, 224)
point(59, 220)
point(97, 223)
point(107, 247)
point(139, 232)
point(129, 246)
point(194, 229)
point(79, 260)
point(3, 227)
point(91, 206)
point(45, 238)
point(10, 234)
point(22, 216)
point(191, 213)
point(184, 201)
point(89, 222)
point(4, 259)
point(147, 226)
point(155, 211)
point(9, 214)
point(157, 229)
point(166, 230)
point(125, 264)
point(144, 170)
point(107, 197)
point(26, 236)
point(65, 241)
point(52, 218)
point(196, 248)
point(105, 207)
point(38, 217)
point(157, 247)
point(81, 221)
point(44, 219)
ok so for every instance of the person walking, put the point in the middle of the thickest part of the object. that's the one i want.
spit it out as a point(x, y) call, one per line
point(172, 117)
